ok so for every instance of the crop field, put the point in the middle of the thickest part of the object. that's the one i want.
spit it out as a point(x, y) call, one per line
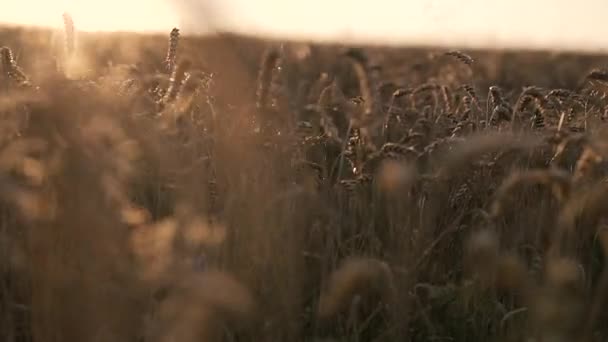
point(176, 188)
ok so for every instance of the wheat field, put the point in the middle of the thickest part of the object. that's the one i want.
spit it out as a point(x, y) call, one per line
point(175, 188)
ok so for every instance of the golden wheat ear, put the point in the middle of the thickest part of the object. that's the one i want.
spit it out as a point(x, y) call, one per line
point(269, 62)
point(355, 277)
point(9, 70)
point(6, 59)
point(177, 81)
point(200, 306)
point(170, 60)
point(461, 57)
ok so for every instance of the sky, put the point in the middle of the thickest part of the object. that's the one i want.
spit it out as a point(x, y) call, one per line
point(536, 24)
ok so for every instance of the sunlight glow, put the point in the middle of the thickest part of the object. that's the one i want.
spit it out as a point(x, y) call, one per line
point(537, 24)
point(93, 15)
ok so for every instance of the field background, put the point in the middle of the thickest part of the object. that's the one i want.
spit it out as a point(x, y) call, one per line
point(233, 211)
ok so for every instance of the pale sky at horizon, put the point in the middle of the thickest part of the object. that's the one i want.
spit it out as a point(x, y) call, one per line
point(562, 24)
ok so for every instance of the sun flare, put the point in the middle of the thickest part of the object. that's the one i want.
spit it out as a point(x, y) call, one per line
point(538, 24)
point(93, 15)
